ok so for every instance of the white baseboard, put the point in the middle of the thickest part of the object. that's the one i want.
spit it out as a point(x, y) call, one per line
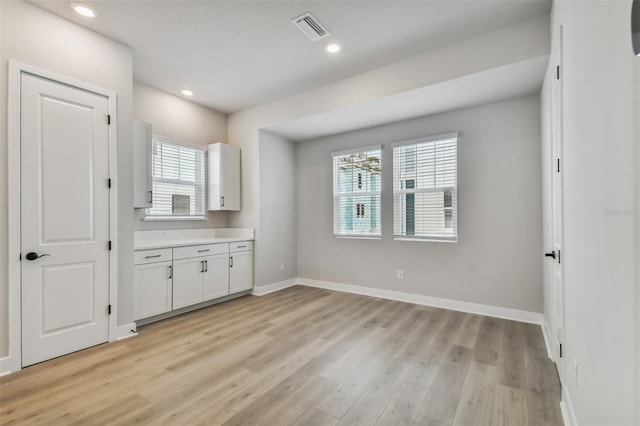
point(9, 365)
point(455, 305)
point(566, 406)
point(270, 288)
point(547, 338)
point(125, 331)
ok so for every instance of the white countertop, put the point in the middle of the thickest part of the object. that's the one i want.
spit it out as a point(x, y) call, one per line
point(144, 240)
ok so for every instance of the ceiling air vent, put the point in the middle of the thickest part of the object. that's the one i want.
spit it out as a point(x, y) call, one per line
point(311, 27)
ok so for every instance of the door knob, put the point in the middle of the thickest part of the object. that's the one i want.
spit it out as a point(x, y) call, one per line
point(33, 255)
point(551, 255)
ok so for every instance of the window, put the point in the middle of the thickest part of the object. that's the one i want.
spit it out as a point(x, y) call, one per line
point(178, 180)
point(425, 187)
point(356, 192)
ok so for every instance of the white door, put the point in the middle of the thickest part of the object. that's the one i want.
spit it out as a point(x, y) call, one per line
point(240, 271)
point(557, 328)
point(65, 219)
point(216, 276)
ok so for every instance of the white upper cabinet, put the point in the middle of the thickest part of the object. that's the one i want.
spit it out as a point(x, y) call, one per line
point(142, 181)
point(224, 177)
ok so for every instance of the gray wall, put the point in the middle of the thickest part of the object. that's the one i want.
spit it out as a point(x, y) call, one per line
point(183, 121)
point(497, 259)
point(35, 37)
point(483, 52)
point(276, 235)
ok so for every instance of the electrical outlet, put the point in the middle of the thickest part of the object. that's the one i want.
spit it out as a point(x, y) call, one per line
point(400, 274)
point(575, 372)
point(282, 266)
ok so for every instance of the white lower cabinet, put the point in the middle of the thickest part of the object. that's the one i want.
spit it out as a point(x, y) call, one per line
point(216, 276)
point(241, 266)
point(153, 289)
point(187, 284)
point(170, 279)
point(198, 276)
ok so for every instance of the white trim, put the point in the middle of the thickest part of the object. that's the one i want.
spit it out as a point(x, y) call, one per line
point(126, 331)
point(151, 218)
point(192, 145)
point(430, 239)
point(273, 287)
point(355, 150)
point(456, 305)
point(113, 212)
point(566, 407)
point(13, 361)
point(8, 366)
point(426, 139)
point(547, 340)
point(358, 236)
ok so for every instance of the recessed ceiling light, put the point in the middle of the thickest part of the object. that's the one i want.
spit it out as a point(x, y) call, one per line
point(84, 10)
point(186, 92)
point(332, 47)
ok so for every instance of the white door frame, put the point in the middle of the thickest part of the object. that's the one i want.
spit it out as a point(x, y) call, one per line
point(13, 362)
point(557, 129)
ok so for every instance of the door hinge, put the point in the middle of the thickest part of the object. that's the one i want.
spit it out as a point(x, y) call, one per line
point(109, 309)
point(557, 72)
point(560, 350)
point(558, 256)
point(558, 166)
point(109, 182)
point(109, 119)
point(109, 245)
point(20, 257)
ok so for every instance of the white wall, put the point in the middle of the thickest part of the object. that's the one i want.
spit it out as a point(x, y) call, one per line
point(600, 158)
point(518, 42)
point(277, 230)
point(184, 121)
point(497, 258)
point(35, 37)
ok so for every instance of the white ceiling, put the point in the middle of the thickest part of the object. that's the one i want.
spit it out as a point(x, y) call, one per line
point(238, 54)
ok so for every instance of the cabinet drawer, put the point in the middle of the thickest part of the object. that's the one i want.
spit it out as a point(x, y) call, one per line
point(199, 251)
point(141, 257)
point(241, 246)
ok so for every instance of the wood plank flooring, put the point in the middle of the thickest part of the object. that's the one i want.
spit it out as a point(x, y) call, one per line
point(302, 356)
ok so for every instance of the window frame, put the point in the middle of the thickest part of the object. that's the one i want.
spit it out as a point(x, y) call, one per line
point(200, 189)
point(440, 189)
point(356, 191)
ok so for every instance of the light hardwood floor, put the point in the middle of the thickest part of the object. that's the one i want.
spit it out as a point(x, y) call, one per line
point(300, 356)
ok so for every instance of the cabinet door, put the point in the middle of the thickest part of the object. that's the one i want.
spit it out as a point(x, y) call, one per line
point(187, 282)
point(224, 177)
point(216, 276)
point(240, 271)
point(230, 177)
point(152, 294)
point(142, 180)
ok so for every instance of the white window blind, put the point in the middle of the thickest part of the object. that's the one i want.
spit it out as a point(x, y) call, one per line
point(356, 192)
point(425, 187)
point(178, 180)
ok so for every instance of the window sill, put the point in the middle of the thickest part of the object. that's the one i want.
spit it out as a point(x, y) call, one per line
point(424, 240)
point(358, 237)
point(172, 218)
